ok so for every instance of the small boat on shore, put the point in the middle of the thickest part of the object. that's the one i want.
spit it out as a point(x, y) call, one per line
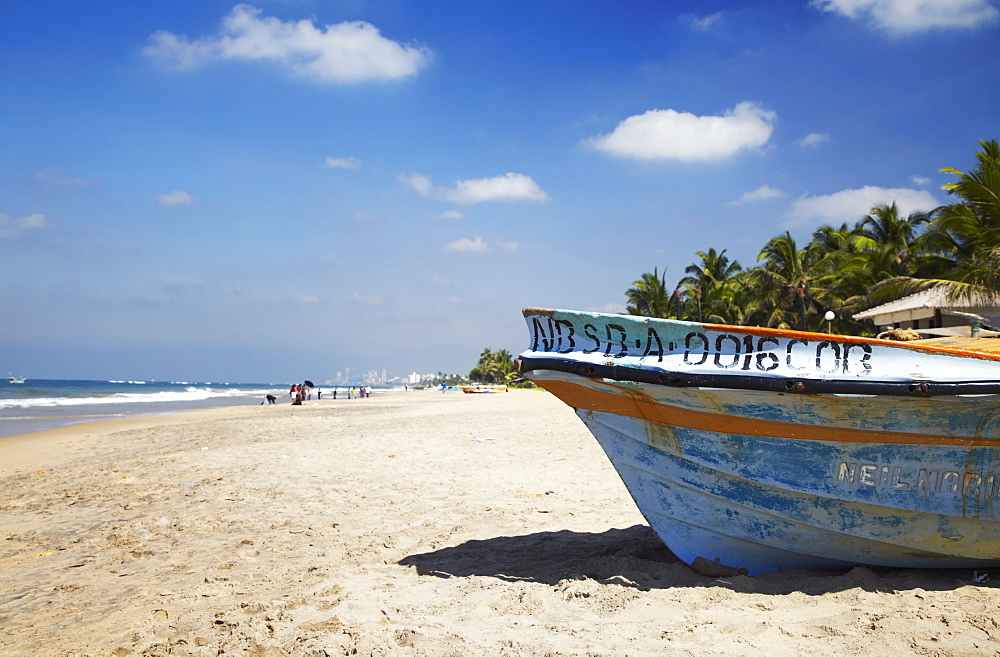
point(483, 389)
point(751, 450)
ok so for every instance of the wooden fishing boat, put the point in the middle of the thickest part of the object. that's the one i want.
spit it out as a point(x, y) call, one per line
point(483, 388)
point(753, 450)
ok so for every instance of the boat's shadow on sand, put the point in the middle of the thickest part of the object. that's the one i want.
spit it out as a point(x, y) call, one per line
point(635, 557)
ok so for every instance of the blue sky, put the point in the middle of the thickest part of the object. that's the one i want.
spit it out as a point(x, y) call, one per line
point(283, 189)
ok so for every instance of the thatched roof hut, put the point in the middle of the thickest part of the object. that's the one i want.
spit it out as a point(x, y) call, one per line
point(933, 313)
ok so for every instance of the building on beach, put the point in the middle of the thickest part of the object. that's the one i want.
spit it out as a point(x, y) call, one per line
point(933, 314)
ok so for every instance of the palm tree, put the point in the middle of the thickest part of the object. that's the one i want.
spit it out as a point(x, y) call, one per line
point(710, 284)
point(493, 367)
point(789, 282)
point(964, 237)
point(979, 190)
point(884, 226)
point(973, 225)
point(843, 239)
point(648, 295)
point(887, 246)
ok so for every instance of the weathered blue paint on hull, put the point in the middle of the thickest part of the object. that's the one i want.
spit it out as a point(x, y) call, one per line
point(700, 511)
point(765, 481)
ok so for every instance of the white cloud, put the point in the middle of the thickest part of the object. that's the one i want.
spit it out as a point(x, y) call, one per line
point(667, 134)
point(466, 244)
point(15, 227)
point(309, 298)
point(477, 244)
point(705, 23)
point(508, 188)
point(451, 214)
point(902, 17)
point(367, 299)
point(175, 198)
point(344, 53)
point(342, 162)
point(419, 182)
point(923, 181)
point(813, 139)
point(763, 193)
point(52, 179)
point(851, 205)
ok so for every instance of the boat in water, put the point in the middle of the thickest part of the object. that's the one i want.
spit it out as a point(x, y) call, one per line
point(15, 379)
point(750, 450)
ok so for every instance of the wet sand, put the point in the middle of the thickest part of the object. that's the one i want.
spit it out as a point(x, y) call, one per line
point(415, 523)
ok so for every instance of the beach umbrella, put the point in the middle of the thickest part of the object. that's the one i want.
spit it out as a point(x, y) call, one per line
point(308, 384)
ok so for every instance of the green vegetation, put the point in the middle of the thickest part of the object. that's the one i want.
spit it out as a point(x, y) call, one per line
point(884, 256)
point(494, 367)
point(498, 367)
point(450, 380)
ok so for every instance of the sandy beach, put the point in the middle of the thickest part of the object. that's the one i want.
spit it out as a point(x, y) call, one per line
point(415, 523)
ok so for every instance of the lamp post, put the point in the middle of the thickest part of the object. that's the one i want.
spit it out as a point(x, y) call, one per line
point(829, 318)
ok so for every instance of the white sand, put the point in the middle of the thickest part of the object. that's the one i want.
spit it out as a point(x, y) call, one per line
point(409, 524)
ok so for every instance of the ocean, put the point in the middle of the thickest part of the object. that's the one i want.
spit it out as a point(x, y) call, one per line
point(39, 404)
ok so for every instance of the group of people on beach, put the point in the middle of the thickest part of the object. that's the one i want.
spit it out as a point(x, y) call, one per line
point(301, 393)
point(359, 393)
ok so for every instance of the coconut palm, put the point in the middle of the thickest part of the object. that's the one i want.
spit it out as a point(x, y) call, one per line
point(709, 283)
point(887, 246)
point(843, 239)
point(885, 226)
point(972, 226)
point(648, 295)
point(979, 190)
point(789, 282)
point(964, 237)
point(493, 367)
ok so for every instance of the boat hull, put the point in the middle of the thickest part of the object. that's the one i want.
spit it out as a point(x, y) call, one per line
point(764, 480)
point(483, 389)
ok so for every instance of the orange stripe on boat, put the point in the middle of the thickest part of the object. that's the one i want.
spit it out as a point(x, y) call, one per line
point(636, 404)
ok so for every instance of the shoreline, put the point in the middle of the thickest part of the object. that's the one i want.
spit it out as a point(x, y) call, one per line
point(26, 423)
point(29, 445)
point(410, 524)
